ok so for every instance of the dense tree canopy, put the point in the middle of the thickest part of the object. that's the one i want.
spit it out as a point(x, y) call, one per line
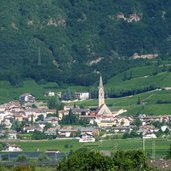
point(70, 40)
point(86, 160)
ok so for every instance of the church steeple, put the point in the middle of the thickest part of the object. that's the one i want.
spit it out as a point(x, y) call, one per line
point(101, 92)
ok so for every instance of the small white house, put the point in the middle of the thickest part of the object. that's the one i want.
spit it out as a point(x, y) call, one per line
point(146, 136)
point(49, 93)
point(82, 95)
point(12, 148)
point(85, 137)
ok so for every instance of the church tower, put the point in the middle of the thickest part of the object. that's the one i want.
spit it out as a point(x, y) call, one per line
point(101, 92)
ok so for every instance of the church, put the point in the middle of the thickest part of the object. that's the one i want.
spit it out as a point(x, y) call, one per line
point(104, 116)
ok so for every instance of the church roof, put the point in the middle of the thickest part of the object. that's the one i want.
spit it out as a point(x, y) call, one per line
point(104, 110)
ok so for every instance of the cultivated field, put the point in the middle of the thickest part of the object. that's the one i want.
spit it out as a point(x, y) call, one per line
point(157, 146)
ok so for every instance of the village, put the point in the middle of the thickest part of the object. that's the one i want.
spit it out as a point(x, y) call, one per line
point(29, 119)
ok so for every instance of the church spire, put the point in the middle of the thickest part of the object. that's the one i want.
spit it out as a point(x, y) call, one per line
point(101, 92)
point(100, 82)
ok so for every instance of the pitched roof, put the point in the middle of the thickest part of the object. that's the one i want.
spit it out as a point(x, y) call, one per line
point(104, 110)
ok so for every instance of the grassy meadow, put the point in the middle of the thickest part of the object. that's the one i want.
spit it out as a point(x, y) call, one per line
point(161, 145)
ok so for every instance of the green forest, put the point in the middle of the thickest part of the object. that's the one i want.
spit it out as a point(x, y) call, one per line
point(71, 41)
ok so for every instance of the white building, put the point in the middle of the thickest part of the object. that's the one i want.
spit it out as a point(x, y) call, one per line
point(82, 95)
point(12, 148)
point(26, 98)
point(86, 138)
point(49, 93)
point(146, 136)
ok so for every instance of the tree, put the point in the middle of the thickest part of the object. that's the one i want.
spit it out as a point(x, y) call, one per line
point(86, 160)
point(137, 122)
point(54, 103)
point(169, 153)
point(70, 119)
point(157, 124)
point(47, 126)
point(40, 118)
point(130, 160)
point(37, 135)
point(34, 106)
point(21, 158)
point(2, 145)
point(18, 126)
point(139, 100)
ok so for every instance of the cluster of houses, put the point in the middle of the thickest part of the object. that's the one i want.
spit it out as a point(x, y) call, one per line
point(75, 95)
point(36, 116)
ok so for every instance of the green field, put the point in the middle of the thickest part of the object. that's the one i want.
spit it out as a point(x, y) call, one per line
point(8, 92)
point(148, 104)
point(161, 145)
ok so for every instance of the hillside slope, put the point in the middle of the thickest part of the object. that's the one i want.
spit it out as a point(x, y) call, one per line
point(69, 41)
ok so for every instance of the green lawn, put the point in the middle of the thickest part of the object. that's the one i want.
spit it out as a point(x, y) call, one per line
point(161, 145)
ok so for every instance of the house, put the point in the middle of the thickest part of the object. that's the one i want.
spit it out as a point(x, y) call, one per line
point(62, 113)
point(26, 98)
point(146, 136)
point(12, 134)
point(13, 105)
point(147, 129)
point(147, 120)
point(51, 111)
point(52, 120)
point(32, 128)
point(12, 148)
point(85, 137)
point(105, 123)
point(123, 121)
point(89, 130)
point(82, 95)
point(79, 111)
point(52, 131)
point(19, 116)
point(33, 113)
point(67, 132)
point(7, 121)
point(122, 129)
point(68, 107)
point(49, 93)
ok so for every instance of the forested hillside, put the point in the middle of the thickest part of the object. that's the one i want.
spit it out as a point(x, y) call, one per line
point(69, 41)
